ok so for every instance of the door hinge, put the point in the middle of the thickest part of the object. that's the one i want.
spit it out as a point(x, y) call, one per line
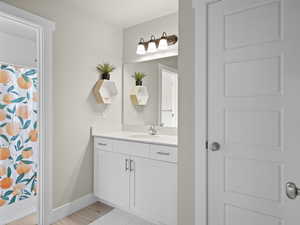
point(206, 145)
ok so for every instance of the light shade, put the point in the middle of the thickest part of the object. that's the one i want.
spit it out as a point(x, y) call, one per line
point(152, 45)
point(163, 42)
point(141, 49)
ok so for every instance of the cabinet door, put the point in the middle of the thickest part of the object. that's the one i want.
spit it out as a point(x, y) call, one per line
point(156, 190)
point(111, 178)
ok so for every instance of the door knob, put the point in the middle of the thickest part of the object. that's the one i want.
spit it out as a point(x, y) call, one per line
point(215, 146)
point(292, 191)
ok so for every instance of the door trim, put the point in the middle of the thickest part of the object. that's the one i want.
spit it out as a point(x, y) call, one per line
point(159, 85)
point(201, 109)
point(44, 30)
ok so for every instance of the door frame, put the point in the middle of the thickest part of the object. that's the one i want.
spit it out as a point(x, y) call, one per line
point(159, 85)
point(201, 109)
point(44, 29)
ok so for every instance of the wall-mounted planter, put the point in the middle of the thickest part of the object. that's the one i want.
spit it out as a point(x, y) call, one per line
point(104, 91)
point(139, 95)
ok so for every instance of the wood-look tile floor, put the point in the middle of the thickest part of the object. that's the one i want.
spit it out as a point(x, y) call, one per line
point(82, 217)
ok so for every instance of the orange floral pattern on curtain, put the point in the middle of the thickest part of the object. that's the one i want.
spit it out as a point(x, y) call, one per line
point(18, 133)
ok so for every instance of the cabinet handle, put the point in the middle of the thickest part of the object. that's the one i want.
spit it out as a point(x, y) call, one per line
point(163, 153)
point(102, 144)
point(126, 165)
point(131, 166)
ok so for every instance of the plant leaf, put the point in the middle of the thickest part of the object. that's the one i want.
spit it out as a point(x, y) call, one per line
point(13, 200)
point(27, 192)
point(27, 162)
point(3, 125)
point(4, 137)
point(17, 100)
point(27, 124)
point(19, 178)
point(35, 125)
point(10, 88)
point(27, 140)
point(14, 92)
point(8, 172)
point(25, 78)
point(8, 193)
point(9, 110)
point(14, 138)
point(19, 158)
point(6, 198)
point(27, 149)
point(18, 143)
point(21, 120)
point(2, 106)
point(32, 186)
point(30, 72)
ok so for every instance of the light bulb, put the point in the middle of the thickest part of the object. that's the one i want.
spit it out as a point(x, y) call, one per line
point(141, 50)
point(163, 43)
point(152, 45)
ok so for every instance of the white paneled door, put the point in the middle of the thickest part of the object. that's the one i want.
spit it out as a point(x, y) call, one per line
point(254, 111)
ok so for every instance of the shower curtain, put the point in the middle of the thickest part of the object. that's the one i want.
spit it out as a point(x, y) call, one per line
point(18, 133)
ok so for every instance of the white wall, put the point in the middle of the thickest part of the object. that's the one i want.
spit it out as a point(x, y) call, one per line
point(186, 211)
point(144, 115)
point(156, 27)
point(80, 43)
point(17, 50)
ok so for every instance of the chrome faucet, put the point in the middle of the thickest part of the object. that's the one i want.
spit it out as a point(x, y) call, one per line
point(152, 130)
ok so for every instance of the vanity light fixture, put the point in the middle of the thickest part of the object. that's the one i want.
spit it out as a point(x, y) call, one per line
point(163, 42)
point(154, 44)
point(141, 48)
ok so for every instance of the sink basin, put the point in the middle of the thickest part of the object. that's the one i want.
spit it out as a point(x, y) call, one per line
point(143, 136)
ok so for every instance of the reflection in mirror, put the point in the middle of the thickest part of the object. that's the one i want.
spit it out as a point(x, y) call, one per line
point(168, 108)
point(162, 85)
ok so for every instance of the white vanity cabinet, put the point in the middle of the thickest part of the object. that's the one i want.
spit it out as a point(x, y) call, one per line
point(156, 190)
point(138, 177)
point(111, 180)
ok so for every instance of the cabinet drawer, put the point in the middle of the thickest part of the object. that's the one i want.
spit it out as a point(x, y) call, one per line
point(163, 153)
point(131, 148)
point(103, 144)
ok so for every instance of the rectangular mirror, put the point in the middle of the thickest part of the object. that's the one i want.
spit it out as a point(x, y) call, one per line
point(155, 99)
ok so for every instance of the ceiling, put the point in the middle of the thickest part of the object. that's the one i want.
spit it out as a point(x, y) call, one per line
point(126, 13)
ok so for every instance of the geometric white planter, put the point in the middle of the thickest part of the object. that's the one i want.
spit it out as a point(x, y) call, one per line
point(104, 91)
point(139, 95)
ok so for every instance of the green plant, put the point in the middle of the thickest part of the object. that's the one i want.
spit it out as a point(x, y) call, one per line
point(139, 76)
point(105, 68)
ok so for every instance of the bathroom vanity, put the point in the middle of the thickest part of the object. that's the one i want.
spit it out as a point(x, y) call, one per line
point(137, 172)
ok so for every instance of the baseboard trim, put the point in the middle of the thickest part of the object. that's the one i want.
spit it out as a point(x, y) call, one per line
point(71, 207)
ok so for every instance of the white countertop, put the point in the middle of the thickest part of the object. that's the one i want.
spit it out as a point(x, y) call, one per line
point(138, 137)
